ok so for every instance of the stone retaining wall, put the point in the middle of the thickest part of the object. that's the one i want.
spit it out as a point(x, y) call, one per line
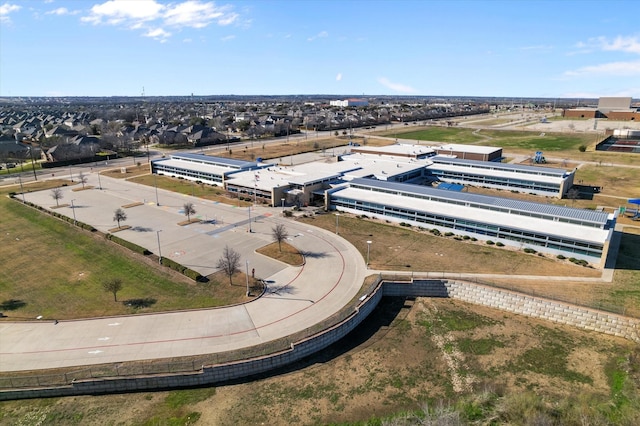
point(587, 319)
point(563, 313)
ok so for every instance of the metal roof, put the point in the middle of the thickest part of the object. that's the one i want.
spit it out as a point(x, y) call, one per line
point(550, 210)
point(499, 166)
point(208, 159)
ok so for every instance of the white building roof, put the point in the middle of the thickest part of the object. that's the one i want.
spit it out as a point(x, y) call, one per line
point(354, 166)
point(497, 218)
point(404, 150)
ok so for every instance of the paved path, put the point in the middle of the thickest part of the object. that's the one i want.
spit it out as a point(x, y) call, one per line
point(297, 297)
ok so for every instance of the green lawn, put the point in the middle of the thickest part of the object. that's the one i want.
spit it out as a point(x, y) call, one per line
point(53, 269)
point(187, 187)
point(531, 141)
point(439, 134)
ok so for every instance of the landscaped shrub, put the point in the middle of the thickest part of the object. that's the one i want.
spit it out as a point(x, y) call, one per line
point(408, 225)
point(173, 265)
point(466, 237)
point(582, 148)
point(580, 262)
point(435, 232)
point(190, 273)
point(131, 246)
point(529, 250)
point(448, 234)
point(499, 244)
point(474, 239)
point(560, 257)
point(489, 242)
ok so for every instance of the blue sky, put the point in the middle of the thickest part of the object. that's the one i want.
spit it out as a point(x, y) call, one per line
point(550, 49)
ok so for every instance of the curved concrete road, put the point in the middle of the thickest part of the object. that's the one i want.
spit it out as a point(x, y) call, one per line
point(297, 297)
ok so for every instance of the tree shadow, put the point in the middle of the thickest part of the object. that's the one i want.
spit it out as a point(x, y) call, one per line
point(313, 255)
point(12, 304)
point(141, 229)
point(140, 303)
point(279, 290)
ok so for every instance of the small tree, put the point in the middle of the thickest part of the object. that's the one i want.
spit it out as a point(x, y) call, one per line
point(83, 179)
point(119, 216)
point(229, 262)
point(280, 234)
point(189, 209)
point(114, 285)
point(56, 194)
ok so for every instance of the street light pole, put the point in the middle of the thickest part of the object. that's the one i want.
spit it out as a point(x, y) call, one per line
point(247, 276)
point(337, 216)
point(282, 199)
point(159, 251)
point(21, 188)
point(249, 209)
point(155, 183)
point(73, 209)
point(368, 250)
point(99, 183)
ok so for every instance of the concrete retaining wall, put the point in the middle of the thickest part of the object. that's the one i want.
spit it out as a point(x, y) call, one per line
point(563, 313)
point(558, 312)
point(213, 374)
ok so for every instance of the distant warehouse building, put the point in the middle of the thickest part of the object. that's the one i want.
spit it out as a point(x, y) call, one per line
point(583, 234)
point(612, 108)
point(349, 103)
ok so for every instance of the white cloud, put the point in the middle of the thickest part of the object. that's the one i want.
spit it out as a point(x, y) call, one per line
point(158, 34)
point(62, 11)
point(321, 34)
point(339, 76)
point(148, 15)
point(196, 14)
point(5, 10)
point(622, 44)
point(398, 87)
point(630, 68)
point(115, 12)
point(228, 38)
point(619, 44)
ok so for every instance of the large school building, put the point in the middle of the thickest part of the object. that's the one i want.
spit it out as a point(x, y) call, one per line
point(384, 187)
point(583, 234)
point(478, 166)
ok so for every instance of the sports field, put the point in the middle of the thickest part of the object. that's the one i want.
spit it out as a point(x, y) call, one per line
point(512, 140)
